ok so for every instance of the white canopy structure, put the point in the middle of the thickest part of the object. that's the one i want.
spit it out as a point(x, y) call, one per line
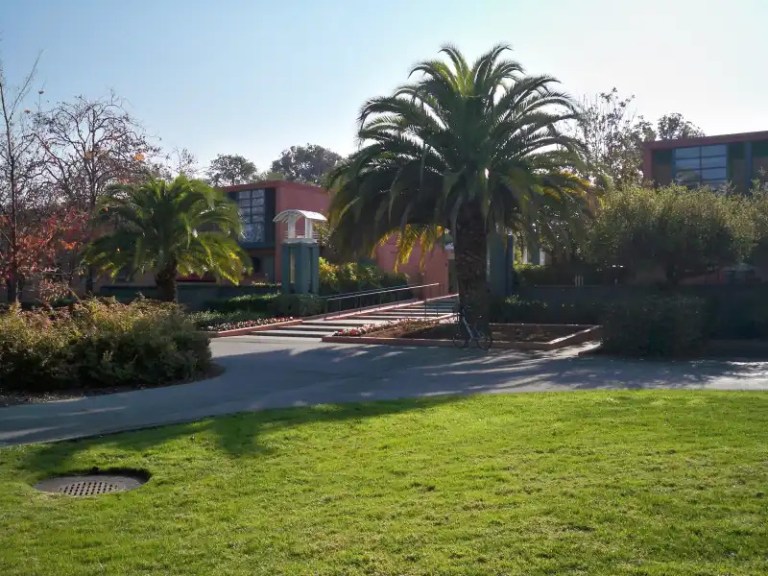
point(292, 216)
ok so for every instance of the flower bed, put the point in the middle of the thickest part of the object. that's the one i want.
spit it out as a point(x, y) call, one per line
point(225, 326)
point(218, 321)
point(367, 328)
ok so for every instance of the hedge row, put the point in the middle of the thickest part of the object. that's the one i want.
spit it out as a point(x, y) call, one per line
point(98, 344)
point(645, 325)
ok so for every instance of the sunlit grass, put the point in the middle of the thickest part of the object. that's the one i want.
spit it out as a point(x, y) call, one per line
point(653, 483)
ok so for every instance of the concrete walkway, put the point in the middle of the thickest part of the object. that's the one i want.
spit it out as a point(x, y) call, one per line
point(267, 374)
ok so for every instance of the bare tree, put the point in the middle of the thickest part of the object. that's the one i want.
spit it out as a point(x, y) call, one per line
point(89, 145)
point(20, 167)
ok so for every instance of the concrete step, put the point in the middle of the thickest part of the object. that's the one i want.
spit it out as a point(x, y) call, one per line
point(297, 333)
point(340, 322)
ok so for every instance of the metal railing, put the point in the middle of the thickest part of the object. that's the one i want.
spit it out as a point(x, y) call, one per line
point(376, 297)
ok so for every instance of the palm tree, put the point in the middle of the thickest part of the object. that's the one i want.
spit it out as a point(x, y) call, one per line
point(467, 149)
point(169, 228)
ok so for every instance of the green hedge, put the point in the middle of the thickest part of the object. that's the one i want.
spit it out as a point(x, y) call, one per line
point(655, 326)
point(297, 305)
point(245, 303)
point(515, 309)
point(99, 344)
point(561, 274)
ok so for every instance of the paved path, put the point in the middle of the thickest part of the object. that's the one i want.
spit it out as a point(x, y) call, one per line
point(265, 374)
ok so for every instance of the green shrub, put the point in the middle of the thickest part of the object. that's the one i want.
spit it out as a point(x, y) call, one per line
point(516, 309)
point(297, 305)
point(245, 303)
point(356, 276)
point(98, 344)
point(211, 318)
point(561, 274)
point(655, 326)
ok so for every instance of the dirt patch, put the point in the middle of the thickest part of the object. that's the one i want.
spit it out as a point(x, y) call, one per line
point(500, 332)
point(16, 398)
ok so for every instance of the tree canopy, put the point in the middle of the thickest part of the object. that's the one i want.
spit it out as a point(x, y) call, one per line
point(231, 169)
point(310, 163)
point(466, 147)
point(169, 228)
point(680, 231)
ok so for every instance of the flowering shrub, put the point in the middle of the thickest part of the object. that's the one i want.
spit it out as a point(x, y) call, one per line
point(219, 322)
point(367, 328)
point(99, 343)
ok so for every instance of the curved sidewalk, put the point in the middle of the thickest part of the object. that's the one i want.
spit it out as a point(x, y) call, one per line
point(262, 374)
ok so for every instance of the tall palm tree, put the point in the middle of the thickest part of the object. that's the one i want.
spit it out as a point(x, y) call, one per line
point(471, 149)
point(169, 228)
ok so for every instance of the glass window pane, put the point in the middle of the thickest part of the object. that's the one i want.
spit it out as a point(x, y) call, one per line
point(713, 174)
point(244, 195)
point(687, 163)
point(713, 162)
point(688, 176)
point(693, 152)
point(716, 150)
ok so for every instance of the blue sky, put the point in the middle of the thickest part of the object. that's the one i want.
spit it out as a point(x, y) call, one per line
point(255, 77)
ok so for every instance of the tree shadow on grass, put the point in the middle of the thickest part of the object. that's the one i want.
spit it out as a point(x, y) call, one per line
point(235, 435)
point(296, 380)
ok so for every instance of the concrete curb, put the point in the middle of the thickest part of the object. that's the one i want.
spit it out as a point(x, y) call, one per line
point(591, 333)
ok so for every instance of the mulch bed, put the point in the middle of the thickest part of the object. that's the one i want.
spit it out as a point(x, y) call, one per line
point(500, 332)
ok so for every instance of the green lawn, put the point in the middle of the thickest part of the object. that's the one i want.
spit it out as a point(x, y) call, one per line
point(583, 483)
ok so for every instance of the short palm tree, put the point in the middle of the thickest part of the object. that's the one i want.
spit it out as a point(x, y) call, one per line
point(169, 228)
point(471, 149)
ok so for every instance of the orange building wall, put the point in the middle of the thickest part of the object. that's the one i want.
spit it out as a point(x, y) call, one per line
point(434, 269)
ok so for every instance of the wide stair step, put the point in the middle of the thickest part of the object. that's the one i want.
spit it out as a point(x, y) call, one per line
point(318, 328)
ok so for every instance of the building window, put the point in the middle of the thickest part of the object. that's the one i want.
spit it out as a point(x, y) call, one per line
point(253, 215)
point(701, 165)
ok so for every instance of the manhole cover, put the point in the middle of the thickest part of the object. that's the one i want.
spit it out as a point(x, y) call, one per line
point(91, 484)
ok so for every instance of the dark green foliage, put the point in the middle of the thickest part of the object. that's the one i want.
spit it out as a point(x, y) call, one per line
point(560, 274)
point(98, 344)
point(655, 326)
point(245, 303)
point(516, 309)
point(297, 305)
point(310, 163)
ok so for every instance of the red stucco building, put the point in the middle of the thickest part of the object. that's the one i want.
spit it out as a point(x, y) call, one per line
point(260, 202)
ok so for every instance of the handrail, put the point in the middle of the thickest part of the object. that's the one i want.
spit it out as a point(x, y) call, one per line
point(366, 294)
point(377, 291)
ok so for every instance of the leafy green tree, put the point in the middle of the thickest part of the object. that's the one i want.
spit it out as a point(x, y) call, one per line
point(169, 228)
point(468, 148)
point(231, 169)
point(674, 126)
point(310, 163)
point(614, 137)
point(680, 231)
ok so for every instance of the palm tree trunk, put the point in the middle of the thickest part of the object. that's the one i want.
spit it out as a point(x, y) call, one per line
point(471, 255)
point(166, 284)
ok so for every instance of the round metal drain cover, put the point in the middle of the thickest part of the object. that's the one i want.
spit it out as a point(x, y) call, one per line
point(90, 485)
